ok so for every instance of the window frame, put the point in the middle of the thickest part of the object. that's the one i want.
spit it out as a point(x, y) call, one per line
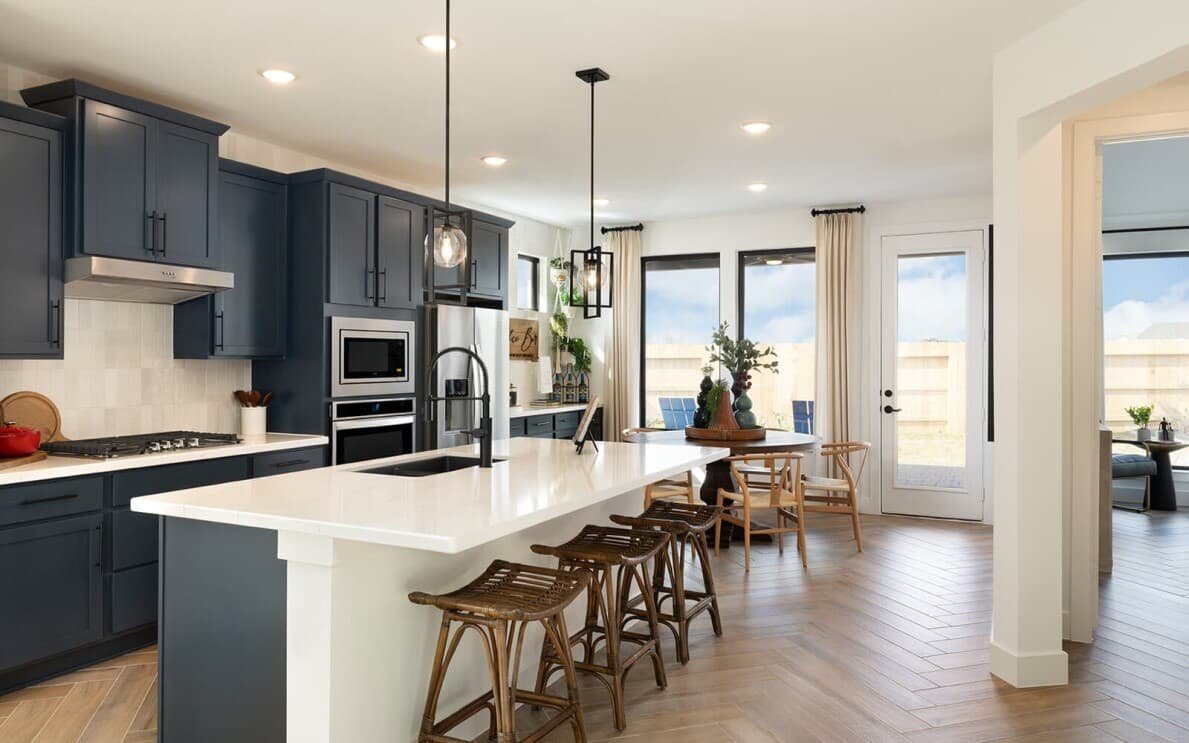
point(644, 263)
point(1140, 255)
point(535, 261)
point(743, 255)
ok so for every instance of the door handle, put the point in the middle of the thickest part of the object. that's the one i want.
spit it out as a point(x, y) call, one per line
point(164, 233)
point(474, 274)
point(890, 409)
point(55, 322)
point(220, 332)
point(368, 282)
point(383, 284)
point(152, 241)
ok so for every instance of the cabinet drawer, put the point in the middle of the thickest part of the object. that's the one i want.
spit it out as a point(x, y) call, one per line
point(539, 425)
point(133, 598)
point(130, 484)
point(516, 427)
point(133, 538)
point(566, 424)
point(292, 460)
point(50, 499)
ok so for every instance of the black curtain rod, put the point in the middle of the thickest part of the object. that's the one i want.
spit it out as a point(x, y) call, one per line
point(629, 228)
point(848, 210)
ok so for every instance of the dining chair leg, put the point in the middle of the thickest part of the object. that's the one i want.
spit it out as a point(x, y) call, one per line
point(746, 540)
point(780, 531)
point(854, 518)
point(718, 528)
point(689, 484)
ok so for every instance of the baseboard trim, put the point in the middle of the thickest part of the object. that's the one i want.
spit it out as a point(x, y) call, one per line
point(1031, 669)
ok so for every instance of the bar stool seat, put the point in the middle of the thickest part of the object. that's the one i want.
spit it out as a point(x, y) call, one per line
point(615, 559)
point(688, 526)
point(500, 604)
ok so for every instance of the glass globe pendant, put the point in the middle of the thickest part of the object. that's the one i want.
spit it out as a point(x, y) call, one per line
point(449, 245)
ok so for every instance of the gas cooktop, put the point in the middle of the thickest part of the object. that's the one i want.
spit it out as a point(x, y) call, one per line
point(145, 443)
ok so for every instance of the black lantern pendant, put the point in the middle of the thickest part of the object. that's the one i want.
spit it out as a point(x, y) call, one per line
point(592, 269)
point(447, 241)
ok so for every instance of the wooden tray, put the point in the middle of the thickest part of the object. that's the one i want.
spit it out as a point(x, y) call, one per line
point(35, 411)
point(720, 434)
point(36, 456)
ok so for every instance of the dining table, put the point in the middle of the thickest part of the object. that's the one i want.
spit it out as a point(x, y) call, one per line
point(718, 473)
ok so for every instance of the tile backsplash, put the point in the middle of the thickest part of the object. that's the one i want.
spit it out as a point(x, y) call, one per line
point(119, 375)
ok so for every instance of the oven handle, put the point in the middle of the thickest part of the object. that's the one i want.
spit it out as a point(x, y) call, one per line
point(399, 420)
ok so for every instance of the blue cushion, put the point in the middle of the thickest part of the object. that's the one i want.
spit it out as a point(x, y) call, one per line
point(1131, 465)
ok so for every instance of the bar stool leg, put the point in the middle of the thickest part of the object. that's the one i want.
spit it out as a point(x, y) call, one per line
point(680, 615)
point(558, 635)
point(658, 663)
point(435, 679)
point(703, 550)
point(505, 720)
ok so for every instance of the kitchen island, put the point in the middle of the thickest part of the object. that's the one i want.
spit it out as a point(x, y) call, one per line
point(284, 610)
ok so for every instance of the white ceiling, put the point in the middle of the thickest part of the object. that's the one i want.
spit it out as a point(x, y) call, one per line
point(870, 99)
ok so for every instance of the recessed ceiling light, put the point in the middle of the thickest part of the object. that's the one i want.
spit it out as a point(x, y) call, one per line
point(494, 160)
point(757, 187)
point(278, 77)
point(774, 262)
point(755, 127)
point(436, 42)
point(600, 201)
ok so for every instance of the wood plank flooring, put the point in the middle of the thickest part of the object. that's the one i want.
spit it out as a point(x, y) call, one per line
point(890, 645)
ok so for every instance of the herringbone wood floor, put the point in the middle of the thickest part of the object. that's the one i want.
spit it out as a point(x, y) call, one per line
point(887, 645)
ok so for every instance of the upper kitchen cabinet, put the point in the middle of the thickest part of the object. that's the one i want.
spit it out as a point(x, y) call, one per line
point(352, 235)
point(31, 235)
point(400, 236)
point(144, 178)
point(488, 263)
point(247, 321)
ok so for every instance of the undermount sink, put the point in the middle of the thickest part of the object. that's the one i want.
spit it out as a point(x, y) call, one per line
point(427, 467)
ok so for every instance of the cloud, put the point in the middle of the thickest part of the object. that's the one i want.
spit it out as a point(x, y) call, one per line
point(932, 298)
point(786, 328)
point(1132, 317)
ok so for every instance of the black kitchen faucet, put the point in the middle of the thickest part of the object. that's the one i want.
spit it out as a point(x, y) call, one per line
point(483, 432)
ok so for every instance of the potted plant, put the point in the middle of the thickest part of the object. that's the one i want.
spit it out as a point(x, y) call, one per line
point(1140, 415)
point(741, 357)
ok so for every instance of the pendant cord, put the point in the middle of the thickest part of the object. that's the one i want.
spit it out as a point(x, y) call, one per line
point(448, 104)
point(592, 162)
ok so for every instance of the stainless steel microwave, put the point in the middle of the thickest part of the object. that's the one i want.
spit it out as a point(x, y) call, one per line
point(371, 357)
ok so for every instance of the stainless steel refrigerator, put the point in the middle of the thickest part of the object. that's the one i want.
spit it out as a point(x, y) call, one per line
point(484, 331)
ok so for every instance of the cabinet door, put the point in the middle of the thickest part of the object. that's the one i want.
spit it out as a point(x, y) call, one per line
point(400, 234)
point(51, 582)
point(30, 241)
point(118, 193)
point(489, 252)
point(187, 163)
point(352, 247)
point(250, 319)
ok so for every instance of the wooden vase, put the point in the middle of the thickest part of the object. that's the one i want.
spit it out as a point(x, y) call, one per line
point(724, 417)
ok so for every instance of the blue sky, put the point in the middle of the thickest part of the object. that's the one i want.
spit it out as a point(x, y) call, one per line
point(681, 306)
point(932, 295)
point(1138, 292)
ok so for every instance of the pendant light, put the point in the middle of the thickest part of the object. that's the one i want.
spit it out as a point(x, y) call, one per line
point(595, 265)
point(447, 242)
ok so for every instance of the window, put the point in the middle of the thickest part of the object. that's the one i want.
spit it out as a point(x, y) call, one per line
point(1145, 323)
point(679, 313)
point(528, 295)
point(776, 308)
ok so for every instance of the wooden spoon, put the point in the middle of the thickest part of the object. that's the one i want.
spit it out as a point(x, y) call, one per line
point(264, 401)
point(254, 397)
point(243, 398)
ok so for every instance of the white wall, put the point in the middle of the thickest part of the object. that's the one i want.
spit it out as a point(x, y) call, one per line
point(727, 235)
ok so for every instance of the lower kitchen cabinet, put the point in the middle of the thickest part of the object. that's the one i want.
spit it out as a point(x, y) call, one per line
point(50, 581)
point(79, 568)
point(556, 425)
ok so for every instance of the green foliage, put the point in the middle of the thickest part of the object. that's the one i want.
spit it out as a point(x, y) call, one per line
point(559, 324)
point(714, 396)
point(559, 262)
point(1140, 414)
point(577, 348)
point(740, 356)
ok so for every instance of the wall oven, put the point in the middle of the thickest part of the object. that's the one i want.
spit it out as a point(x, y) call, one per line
point(370, 356)
point(371, 429)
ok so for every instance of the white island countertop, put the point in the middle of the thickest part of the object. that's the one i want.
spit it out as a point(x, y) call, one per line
point(55, 466)
point(540, 479)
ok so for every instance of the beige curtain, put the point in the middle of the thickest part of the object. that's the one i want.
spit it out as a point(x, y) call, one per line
point(837, 394)
point(621, 406)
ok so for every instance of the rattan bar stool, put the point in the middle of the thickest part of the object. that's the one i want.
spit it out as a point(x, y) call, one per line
point(687, 526)
point(616, 558)
point(499, 605)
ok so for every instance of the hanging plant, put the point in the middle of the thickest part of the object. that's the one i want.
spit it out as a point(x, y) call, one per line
point(577, 348)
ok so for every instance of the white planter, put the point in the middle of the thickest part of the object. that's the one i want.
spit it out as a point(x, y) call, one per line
point(253, 422)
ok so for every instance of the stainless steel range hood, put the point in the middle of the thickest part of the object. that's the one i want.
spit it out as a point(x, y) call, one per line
point(94, 277)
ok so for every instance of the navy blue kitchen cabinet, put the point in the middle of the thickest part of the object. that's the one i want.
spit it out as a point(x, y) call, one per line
point(247, 321)
point(143, 178)
point(352, 235)
point(79, 569)
point(30, 233)
point(488, 263)
point(400, 250)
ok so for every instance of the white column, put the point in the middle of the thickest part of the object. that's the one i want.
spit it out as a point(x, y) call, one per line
point(308, 635)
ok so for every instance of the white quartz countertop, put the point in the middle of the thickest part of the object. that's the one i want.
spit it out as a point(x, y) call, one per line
point(539, 480)
point(525, 411)
point(60, 466)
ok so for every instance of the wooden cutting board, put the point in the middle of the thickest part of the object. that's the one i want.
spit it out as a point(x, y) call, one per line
point(36, 456)
point(34, 410)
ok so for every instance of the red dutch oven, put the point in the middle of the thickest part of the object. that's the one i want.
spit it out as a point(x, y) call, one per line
point(18, 441)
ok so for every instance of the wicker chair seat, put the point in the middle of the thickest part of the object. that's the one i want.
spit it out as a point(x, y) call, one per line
point(674, 517)
point(512, 591)
point(608, 545)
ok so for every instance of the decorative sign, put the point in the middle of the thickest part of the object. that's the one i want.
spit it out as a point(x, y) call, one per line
point(522, 339)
